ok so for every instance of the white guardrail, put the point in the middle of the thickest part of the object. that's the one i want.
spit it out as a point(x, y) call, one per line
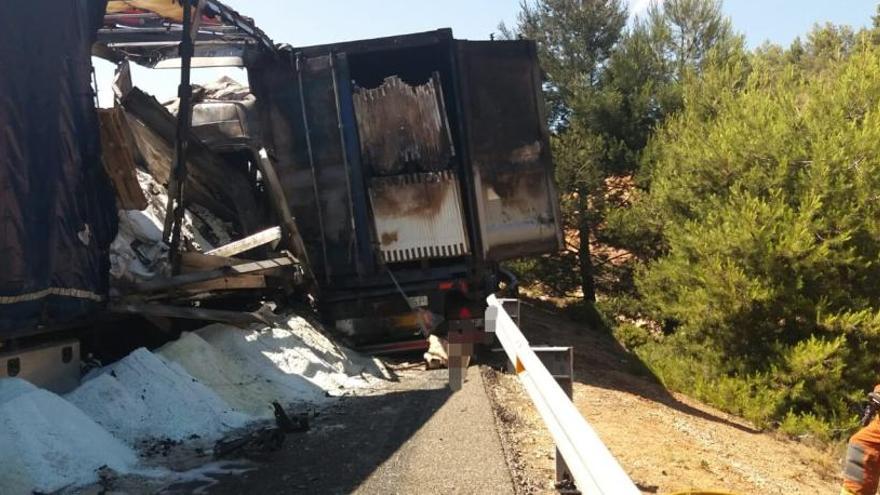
point(593, 467)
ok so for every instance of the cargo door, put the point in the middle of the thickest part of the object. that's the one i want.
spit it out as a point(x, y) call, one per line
point(406, 145)
point(509, 148)
point(308, 112)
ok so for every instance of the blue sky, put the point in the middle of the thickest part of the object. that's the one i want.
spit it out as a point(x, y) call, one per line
point(307, 22)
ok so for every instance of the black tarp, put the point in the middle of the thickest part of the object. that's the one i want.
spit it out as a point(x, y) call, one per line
point(57, 211)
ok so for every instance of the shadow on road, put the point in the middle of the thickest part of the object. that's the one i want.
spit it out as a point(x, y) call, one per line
point(346, 444)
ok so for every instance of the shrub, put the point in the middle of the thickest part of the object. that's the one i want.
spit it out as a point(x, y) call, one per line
point(764, 195)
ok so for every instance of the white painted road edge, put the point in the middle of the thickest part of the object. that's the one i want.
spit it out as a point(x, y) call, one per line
point(594, 468)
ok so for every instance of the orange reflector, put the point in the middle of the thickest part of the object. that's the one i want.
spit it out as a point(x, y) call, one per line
point(519, 366)
point(445, 285)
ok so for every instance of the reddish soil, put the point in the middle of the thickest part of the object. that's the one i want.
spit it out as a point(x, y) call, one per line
point(667, 442)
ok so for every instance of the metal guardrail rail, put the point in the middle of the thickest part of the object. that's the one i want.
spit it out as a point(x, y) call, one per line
point(593, 467)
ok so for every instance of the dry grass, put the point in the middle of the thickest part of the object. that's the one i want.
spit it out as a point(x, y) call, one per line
point(666, 442)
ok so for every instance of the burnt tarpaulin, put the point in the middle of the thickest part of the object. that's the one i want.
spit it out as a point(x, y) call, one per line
point(57, 210)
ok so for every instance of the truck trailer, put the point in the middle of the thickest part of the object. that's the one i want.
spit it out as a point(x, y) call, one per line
point(400, 171)
point(414, 166)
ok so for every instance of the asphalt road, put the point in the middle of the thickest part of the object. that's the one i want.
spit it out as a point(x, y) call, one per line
point(414, 437)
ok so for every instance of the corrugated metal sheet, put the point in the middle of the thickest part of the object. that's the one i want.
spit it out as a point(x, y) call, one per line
point(419, 216)
point(402, 125)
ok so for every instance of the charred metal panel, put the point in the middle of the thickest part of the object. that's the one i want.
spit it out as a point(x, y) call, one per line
point(217, 123)
point(383, 44)
point(310, 128)
point(212, 181)
point(418, 216)
point(403, 127)
point(415, 59)
point(509, 148)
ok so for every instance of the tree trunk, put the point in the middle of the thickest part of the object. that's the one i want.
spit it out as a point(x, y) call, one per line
point(585, 260)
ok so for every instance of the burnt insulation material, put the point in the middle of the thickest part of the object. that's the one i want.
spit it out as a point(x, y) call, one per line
point(57, 209)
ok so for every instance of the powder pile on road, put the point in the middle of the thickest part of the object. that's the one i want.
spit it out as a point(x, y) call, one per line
point(241, 380)
point(251, 368)
point(49, 444)
point(203, 385)
point(144, 396)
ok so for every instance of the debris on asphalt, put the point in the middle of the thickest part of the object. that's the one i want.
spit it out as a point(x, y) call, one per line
point(253, 443)
point(298, 423)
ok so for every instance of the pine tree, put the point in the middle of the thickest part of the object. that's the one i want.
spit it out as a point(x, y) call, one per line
point(763, 190)
point(575, 39)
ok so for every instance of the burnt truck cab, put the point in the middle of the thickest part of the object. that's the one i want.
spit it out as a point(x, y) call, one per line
point(414, 165)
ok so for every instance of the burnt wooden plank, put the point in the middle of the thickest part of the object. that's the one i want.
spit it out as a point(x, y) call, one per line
point(154, 310)
point(261, 238)
point(199, 262)
point(116, 152)
point(236, 282)
point(176, 281)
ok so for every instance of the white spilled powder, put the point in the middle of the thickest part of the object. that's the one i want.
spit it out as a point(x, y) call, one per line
point(248, 352)
point(144, 396)
point(47, 444)
point(244, 384)
point(204, 384)
point(252, 368)
point(207, 476)
point(345, 368)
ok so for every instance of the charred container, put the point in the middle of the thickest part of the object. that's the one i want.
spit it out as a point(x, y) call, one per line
point(414, 165)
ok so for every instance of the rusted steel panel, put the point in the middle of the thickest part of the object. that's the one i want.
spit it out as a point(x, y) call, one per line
point(403, 127)
point(509, 149)
point(418, 216)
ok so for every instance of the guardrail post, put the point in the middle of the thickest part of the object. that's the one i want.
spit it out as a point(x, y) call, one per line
point(559, 361)
point(459, 359)
point(593, 468)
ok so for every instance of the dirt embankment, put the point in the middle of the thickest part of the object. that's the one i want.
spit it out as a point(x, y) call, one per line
point(666, 442)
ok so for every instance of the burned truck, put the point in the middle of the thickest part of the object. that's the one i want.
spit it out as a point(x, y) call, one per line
point(414, 166)
point(397, 174)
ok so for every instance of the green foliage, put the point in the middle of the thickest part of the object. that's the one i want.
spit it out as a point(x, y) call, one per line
point(687, 31)
point(631, 336)
point(608, 88)
point(763, 207)
point(749, 205)
point(575, 38)
point(807, 425)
